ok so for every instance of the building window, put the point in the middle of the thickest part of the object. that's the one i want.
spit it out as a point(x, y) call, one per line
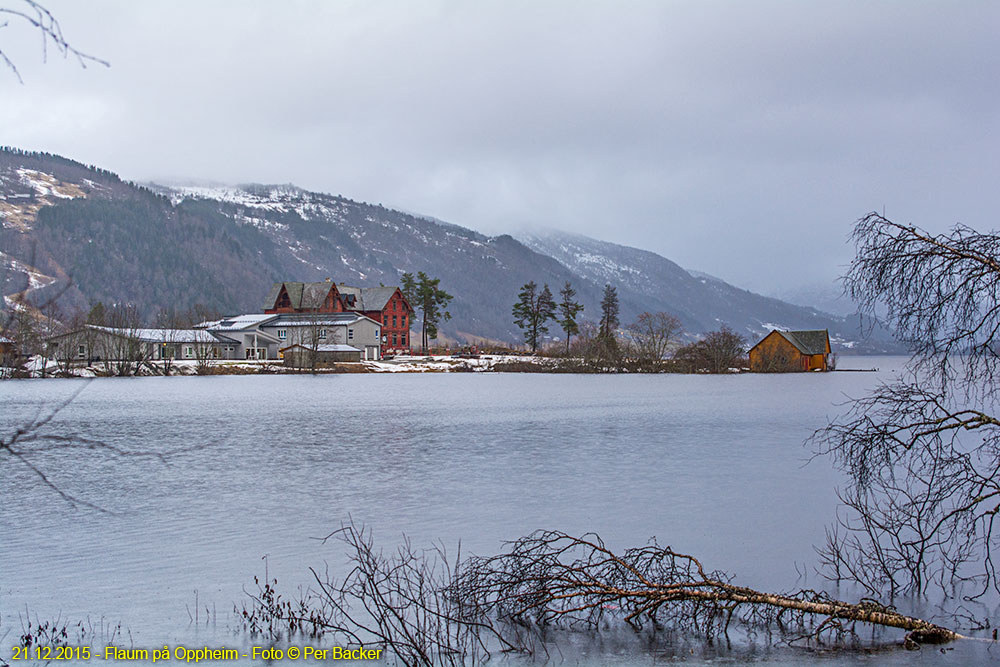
point(350, 334)
point(402, 320)
point(322, 334)
point(81, 351)
point(402, 340)
point(393, 320)
point(189, 352)
point(282, 334)
point(394, 340)
point(376, 333)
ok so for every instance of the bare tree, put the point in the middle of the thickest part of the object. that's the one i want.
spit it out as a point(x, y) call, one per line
point(24, 319)
point(205, 354)
point(652, 335)
point(23, 327)
point(73, 336)
point(585, 343)
point(121, 348)
point(718, 352)
point(310, 335)
point(401, 600)
point(169, 322)
point(922, 453)
point(776, 359)
point(309, 332)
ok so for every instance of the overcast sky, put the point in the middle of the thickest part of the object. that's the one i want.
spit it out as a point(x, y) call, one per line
point(737, 138)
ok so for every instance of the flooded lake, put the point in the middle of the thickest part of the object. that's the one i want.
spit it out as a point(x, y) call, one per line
point(712, 465)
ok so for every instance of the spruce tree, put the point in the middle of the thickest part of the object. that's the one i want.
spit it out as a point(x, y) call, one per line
point(532, 310)
point(606, 339)
point(408, 286)
point(569, 311)
point(609, 312)
point(430, 301)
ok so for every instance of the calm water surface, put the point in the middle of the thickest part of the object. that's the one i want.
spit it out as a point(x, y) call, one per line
point(714, 466)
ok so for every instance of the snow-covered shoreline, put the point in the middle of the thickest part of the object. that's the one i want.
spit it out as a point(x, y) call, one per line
point(39, 368)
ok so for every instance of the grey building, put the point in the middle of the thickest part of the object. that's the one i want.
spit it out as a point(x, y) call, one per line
point(263, 336)
point(97, 343)
point(243, 336)
point(308, 330)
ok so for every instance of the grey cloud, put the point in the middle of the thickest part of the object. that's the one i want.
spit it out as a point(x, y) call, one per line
point(741, 139)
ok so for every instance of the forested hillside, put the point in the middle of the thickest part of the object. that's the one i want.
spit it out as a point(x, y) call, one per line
point(159, 247)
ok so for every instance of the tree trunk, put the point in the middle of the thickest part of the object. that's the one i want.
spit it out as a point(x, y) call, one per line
point(921, 631)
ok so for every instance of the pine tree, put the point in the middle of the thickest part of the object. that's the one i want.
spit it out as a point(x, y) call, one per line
point(569, 310)
point(409, 288)
point(97, 314)
point(532, 311)
point(609, 312)
point(430, 300)
point(607, 341)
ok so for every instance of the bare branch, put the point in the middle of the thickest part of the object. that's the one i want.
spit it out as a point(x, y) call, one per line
point(922, 453)
point(941, 294)
point(41, 19)
point(425, 612)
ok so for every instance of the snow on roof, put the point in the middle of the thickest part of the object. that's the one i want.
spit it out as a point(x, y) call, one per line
point(338, 347)
point(237, 322)
point(162, 335)
point(326, 319)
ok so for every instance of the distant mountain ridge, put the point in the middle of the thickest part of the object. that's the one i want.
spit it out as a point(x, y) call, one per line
point(223, 246)
point(702, 302)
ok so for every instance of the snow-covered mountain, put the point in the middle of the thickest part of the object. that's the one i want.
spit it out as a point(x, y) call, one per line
point(175, 246)
point(827, 296)
point(702, 302)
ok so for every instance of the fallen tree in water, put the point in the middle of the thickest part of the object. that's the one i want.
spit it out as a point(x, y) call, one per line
point(550, 578)
point(427, 611)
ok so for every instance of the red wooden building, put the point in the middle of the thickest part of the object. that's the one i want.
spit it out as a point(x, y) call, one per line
point(385, 305)
point(293, 297)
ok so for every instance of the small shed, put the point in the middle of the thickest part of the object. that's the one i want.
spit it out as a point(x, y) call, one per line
point(791, 351)
point(301, 356)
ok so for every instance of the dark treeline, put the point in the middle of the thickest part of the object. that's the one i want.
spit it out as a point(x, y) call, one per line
point(652, 343)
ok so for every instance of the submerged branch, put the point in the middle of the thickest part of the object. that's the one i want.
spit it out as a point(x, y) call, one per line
point(426, 612)
point(552, 577)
